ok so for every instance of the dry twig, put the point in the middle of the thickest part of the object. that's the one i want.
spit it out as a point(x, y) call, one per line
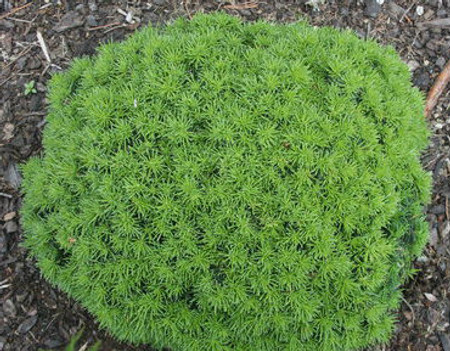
point(41, 41)
point(104, 26)
point(406, 12)
point(437, 89)
point(245, 5)
point(122, 25)
point(440, 22)
point(410, 307)
point(13, 11)
point(446, 208)
point(186, 8)
point(20, 20)
point(23, 52)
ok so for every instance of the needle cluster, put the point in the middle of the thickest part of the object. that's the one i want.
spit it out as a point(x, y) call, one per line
point(219, 185)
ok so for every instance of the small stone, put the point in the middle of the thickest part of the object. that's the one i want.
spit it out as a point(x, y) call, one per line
point(431, 347)
point(92, 6)
point(440, 62)
point(4, 329)
point(422, 80)
point(8, 131)
point(40, 87)
point(428, 15)
point(159, 2)
point(9, 309)
point(343, 11)
point(445, 230)
point(7, 43)
point(422, 259)
point(431, 46)
point(26, 325)
point(434, 237)
point(433, 316)
point(129, 17)
point(91, 21)
point(437, 210)
point(21, 296)
point(21, 63)
point(417, 44)
point(439, 126)
point(2, 342)
point(70, 20)
point(35, 102)
point(19, 267)
point(34, 63)
point(7, 24)
point(79, 8)
point(11, 227)
point(445, 340)
point(420, 10)
point(372, 8)
point(413, 65)
point(53, 343)
point(3, 243)
point(395, 9)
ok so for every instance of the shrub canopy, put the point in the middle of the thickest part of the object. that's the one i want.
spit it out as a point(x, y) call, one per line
point(219, 185)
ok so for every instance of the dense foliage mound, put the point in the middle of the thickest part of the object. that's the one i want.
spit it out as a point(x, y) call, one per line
point(215, 185)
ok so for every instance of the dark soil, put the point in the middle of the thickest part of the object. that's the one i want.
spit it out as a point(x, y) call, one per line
point(36, 315)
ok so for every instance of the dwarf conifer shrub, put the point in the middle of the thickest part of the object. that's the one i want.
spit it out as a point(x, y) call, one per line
point(216, 185)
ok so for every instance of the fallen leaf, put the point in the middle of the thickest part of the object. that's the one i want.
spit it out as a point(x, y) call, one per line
point(437, 89)
point(10, 215)
point(430, 297)
point(8, 131)
point(9, 309)
point(408, 315)
point(26, 325)
point(13, 176)
point(32, 312)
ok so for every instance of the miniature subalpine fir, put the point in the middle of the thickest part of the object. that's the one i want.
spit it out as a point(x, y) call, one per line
point(220, 185)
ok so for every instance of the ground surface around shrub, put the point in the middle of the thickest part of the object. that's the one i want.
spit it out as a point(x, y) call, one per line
point(34, 314)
